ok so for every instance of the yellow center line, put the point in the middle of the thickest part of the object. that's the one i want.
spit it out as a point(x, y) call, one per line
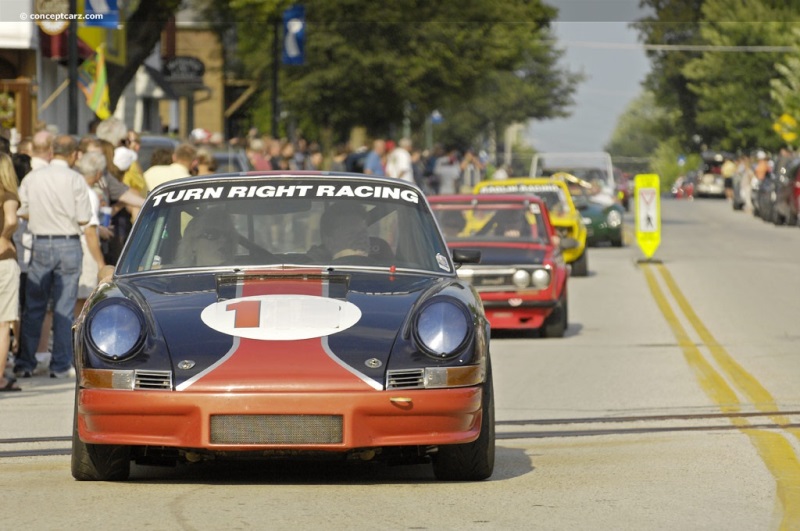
point(747, 383)
point(774, 449)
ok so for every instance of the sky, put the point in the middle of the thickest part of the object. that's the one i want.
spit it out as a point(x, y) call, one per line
point(598, 42)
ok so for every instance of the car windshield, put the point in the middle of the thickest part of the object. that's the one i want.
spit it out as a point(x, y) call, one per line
point(491, 221)
point(278, 221)
point(580, 195)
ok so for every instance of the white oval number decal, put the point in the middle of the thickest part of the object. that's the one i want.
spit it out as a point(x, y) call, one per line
point(281, 317)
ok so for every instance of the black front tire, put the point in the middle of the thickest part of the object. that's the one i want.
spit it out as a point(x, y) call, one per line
point(556, 323)
point(98, 462)
point(580, 267)
point(471, 461)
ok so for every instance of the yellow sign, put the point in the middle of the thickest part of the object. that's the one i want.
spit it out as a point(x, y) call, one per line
point(786, 126)
point(648, 212)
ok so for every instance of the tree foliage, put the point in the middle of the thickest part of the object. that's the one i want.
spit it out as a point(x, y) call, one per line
point(640, 128)
point(673, 22)
point(733, 93)
point(719, 98)
point(372, 63)
point(143, 27)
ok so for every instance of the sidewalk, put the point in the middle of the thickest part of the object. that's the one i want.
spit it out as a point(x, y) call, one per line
point(42, 409)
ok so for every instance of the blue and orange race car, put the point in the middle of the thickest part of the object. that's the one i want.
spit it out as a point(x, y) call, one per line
point(522, 276)
point(284, 314)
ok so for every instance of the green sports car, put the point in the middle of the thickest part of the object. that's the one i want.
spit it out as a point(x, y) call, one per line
point(602, 215)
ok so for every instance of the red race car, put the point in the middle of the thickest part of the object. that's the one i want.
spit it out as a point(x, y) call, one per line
point(522, 276)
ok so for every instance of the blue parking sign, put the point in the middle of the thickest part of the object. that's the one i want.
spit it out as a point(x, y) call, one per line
point(294, 35)
point(101, 14)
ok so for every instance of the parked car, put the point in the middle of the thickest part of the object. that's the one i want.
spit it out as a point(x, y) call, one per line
point(231, 161)
point(522, 277)
point(764, 197)
point(564, 216)
point(787, 194)
point(684, 186)
point(279, 315)
point(604, 219)
point(710, 182)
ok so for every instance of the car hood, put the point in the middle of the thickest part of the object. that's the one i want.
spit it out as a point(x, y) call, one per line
point(495, 253)
point(591, 210)
point(186, 314)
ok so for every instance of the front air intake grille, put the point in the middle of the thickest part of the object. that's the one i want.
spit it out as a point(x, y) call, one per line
point(405, 379)
point(152, 380)
point(276, 429)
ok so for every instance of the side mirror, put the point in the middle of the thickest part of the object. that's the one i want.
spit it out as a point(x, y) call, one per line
point(466, 256)
point(568, 243)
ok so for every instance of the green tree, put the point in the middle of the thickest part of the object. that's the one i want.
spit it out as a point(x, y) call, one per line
point(664, 161)
point(673, 23)
point(785, 89)
point(538, 89)
point(369, 63)
point(640, 128)
point(734, 105)
point(143, 25)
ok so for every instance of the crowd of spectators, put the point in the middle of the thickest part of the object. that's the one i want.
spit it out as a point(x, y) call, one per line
point(440, 170)
point(69, 204)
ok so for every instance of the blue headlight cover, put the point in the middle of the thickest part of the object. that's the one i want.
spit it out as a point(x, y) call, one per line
point(442, 328)
point(115, 330)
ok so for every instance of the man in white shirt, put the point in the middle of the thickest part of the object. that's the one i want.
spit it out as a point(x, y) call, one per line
point(399, 163)
point(42, 150)
point(55, 200)
point(183, 161)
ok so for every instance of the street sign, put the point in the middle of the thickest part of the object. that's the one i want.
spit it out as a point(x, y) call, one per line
point(648, 213)
point(294, 35)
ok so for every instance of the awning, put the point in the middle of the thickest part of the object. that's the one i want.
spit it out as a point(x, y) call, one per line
point(150, 83)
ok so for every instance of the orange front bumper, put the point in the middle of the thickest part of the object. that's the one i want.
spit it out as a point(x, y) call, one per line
point(517, 318)
point(530, 311)
point(182, 419)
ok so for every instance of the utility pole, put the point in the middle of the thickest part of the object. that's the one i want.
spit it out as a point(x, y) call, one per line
point(276, 57)
point(72, 71)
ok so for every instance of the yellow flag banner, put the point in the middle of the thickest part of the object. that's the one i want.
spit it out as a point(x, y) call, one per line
point(94, 84)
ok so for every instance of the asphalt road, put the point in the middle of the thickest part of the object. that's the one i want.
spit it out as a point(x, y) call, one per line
point(672, 403)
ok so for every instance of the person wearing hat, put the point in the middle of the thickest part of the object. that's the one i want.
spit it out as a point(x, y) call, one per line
point(763, 166)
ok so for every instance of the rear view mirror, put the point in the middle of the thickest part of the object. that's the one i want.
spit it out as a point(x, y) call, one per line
point(466, 256)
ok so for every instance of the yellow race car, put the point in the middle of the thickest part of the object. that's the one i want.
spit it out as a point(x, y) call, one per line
point(563, 215)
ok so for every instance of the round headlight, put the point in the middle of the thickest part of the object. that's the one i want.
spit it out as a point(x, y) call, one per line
point(442, 329)
point(521, 278)
point(541, 278)
point(614, 219)
point(115, 330)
